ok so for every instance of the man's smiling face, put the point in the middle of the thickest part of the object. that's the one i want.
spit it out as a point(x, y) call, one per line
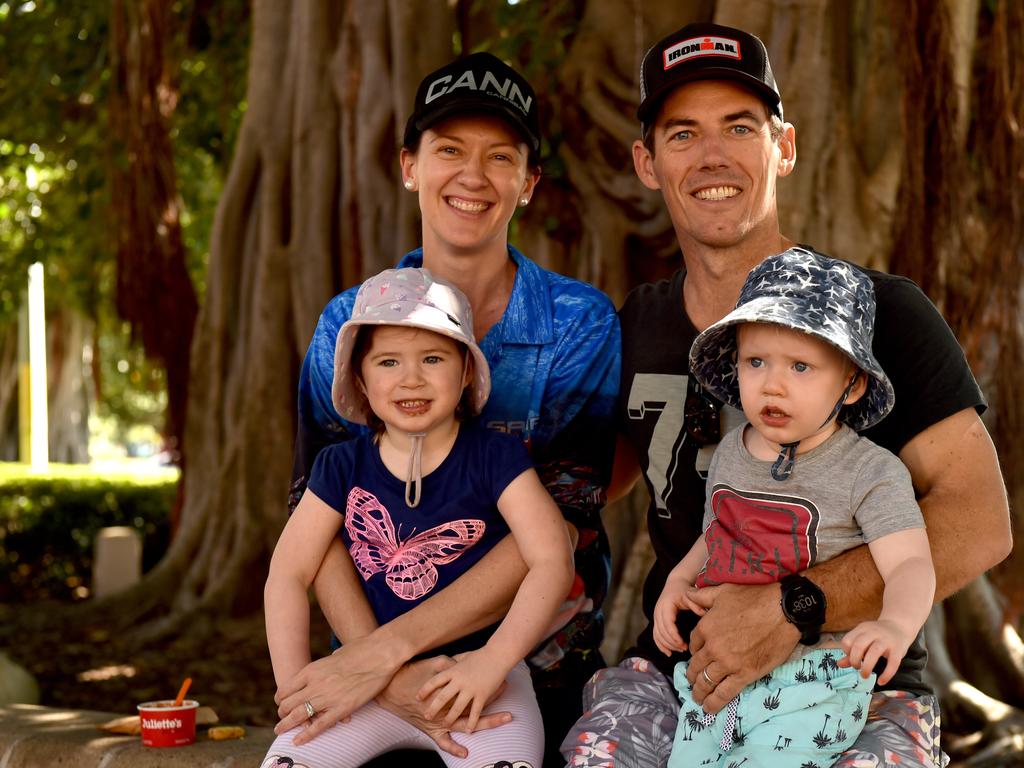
point(716, 162)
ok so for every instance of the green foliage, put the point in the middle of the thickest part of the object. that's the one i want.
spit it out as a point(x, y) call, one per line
point(51, 130)
point(535, 36)
point(48, 524)
point(133, 389)
point(57, 151)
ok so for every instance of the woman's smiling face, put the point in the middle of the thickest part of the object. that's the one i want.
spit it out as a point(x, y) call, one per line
point(470, 173)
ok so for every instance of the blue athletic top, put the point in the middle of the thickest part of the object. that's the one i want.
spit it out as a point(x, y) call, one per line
point(555, 365)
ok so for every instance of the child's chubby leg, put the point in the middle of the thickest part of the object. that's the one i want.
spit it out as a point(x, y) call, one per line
point(517, 744)
point(806, 711)
point(370, 732)
point(698, 736)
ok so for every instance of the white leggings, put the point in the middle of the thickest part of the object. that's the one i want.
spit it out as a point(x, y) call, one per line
point(373, 730)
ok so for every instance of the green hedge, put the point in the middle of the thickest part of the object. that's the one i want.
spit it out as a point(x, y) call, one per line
point(48, 523)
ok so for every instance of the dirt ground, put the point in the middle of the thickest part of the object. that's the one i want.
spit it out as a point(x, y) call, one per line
point(230, 673)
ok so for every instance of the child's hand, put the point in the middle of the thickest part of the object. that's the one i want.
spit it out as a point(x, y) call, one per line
point(472, 682)
point(866, 643)
point(675, 597)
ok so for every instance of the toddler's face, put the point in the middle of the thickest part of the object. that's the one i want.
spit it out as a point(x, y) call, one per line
point(789, 382)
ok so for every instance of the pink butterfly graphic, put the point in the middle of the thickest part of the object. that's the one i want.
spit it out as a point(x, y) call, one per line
point(411, 564)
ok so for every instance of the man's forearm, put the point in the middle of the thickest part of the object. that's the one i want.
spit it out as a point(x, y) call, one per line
point(852, 587)
point(963, 500)
point(962, 497)
point(477, 599)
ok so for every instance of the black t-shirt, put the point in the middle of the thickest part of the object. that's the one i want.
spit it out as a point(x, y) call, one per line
point(913, 343)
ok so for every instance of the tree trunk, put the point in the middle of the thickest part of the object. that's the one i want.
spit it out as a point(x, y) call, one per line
point(67, 333)
point(9, 393)
point(308, 208)
point(154, 290)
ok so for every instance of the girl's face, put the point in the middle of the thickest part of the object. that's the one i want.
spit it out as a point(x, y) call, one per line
point(413, 378)
point(470, 172)
point(789, 383)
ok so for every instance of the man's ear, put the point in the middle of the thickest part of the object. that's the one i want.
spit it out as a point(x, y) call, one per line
point(787, 149)
point(643, 163)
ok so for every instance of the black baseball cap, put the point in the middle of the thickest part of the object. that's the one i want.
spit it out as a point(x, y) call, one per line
point(478, 83)
point(705, 52)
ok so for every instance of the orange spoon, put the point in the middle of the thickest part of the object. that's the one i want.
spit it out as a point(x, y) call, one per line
point(182, 691)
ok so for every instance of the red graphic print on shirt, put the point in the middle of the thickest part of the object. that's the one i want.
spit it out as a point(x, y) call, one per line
point(757, 538)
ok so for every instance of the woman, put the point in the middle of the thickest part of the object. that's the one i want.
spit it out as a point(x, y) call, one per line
point(471, 155)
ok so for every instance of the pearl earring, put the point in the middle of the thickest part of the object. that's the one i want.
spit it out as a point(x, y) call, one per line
point(524, 201)
point(409, 184)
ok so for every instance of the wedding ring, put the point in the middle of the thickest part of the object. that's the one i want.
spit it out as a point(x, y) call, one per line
point(310, 712)
point(703, 672)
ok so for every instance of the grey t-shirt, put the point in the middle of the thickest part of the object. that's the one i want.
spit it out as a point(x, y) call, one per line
point(843, 493)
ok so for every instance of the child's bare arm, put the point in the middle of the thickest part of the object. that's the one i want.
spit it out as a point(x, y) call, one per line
point(904, 561)
point(675, 597)
point(297, 556)
point(543, 540)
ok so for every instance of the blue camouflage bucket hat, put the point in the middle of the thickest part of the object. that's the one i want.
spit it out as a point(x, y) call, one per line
point(811, 293)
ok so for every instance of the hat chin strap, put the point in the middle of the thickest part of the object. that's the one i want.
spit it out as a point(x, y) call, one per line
point(414, 475)
point(783, 466)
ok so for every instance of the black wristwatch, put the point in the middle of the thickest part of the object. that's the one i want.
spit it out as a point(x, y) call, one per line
point(803, 605)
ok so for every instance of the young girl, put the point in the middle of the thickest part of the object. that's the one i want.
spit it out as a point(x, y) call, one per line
point(418, 503)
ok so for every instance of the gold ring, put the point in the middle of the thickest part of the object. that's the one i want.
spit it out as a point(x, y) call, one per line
point(704, 672)
point(310, 712)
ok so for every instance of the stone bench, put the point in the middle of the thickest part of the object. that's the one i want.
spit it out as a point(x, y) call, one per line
point(42, 737)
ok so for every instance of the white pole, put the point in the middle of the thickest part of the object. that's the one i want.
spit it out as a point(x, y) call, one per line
point(37, 368)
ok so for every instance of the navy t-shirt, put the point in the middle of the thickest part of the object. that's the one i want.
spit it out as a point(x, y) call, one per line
point(404, 554)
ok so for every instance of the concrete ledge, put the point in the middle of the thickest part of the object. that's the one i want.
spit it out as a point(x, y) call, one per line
point(41, 737)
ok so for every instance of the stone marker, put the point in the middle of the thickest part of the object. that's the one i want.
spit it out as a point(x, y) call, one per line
point(117, 560)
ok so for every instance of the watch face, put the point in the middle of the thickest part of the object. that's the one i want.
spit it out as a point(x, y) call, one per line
point(804, 605)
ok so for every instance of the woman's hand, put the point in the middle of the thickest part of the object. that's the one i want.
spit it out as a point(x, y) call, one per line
point(335, 686)
point(473, 682)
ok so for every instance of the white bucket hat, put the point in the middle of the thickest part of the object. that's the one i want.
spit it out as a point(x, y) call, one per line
point(414, 298)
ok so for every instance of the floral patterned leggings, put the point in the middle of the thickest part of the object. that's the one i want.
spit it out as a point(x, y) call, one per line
point(631, 714)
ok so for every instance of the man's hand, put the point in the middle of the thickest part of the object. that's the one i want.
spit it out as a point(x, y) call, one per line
point(400, 699)
point(335, 686)
point(473, 682)
point(742, 637)
point(869, 641)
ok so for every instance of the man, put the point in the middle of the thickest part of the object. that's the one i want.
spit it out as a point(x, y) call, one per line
point(714, 143)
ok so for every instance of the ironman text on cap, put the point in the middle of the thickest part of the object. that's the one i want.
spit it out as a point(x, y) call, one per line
point(701, 46)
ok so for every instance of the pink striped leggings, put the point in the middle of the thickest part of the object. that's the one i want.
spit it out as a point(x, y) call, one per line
point(373, 730)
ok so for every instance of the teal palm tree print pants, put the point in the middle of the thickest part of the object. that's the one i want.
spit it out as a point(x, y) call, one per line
point(801, 715)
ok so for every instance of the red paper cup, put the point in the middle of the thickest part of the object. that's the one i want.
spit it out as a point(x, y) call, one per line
point(165, 725)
